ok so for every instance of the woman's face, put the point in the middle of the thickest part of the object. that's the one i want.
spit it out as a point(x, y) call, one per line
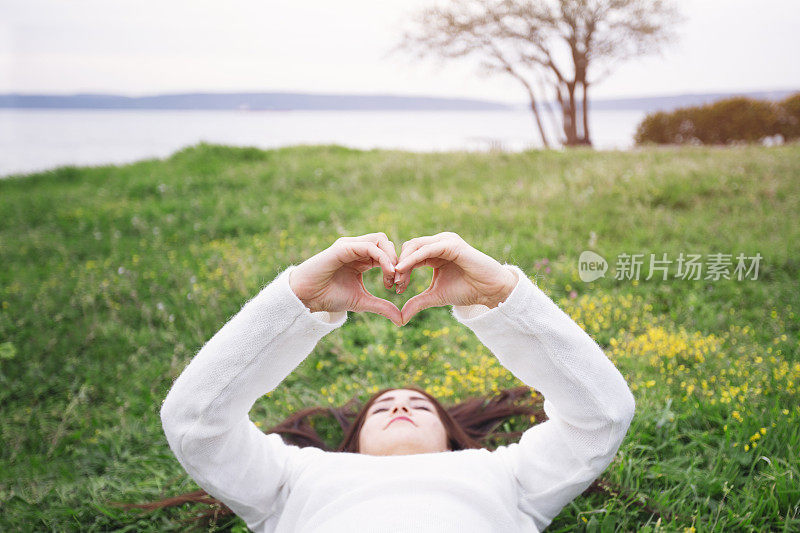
point(402, 422)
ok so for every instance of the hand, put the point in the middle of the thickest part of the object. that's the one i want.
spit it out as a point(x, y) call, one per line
point(332, 279)
point(462, 275)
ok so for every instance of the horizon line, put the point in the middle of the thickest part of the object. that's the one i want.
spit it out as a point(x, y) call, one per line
point(392, 95)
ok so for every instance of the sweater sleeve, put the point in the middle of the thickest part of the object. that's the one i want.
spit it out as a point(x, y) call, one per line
point(205, 415)
point(587, 401)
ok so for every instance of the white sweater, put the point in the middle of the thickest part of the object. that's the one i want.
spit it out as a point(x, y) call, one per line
point(277, 487)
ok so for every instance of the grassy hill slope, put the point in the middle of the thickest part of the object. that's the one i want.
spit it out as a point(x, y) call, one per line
point(113, 277)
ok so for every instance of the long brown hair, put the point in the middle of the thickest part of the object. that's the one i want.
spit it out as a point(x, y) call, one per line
point(471, 423)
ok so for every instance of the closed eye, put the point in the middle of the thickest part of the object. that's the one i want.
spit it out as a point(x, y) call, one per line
point(379, 409)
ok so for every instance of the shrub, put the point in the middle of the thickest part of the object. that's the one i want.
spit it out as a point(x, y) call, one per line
point(731, 120)
point(789, 117)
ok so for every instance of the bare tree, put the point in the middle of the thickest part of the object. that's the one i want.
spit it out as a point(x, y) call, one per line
point(567, 45)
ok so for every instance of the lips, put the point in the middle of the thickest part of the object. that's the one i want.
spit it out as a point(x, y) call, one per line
point(401, 418)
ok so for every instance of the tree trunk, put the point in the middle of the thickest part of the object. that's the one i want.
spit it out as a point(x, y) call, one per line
point(538, 118)
point(551, 113)
point(586, 138)
point(535, 110)
point(571, 129)
point(564, 111)
point(534, 107)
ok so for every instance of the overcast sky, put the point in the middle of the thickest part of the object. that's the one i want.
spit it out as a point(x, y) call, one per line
point(340, 46)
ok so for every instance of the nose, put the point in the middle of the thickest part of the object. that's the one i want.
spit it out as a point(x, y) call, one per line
point(400, 408)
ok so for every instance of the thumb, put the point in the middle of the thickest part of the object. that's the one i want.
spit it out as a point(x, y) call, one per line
point(418, 303)
point(373, 304)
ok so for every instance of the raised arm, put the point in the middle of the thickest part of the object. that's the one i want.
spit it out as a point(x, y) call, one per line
point(206, 413)
point(587, 401)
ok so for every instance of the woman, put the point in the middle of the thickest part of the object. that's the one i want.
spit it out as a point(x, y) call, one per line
point(406, 476)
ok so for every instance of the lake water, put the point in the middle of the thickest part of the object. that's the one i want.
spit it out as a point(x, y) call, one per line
point(40, 139)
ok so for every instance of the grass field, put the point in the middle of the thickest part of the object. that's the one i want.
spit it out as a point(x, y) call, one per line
point(113, 277)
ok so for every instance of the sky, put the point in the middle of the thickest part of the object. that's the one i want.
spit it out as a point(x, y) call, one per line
point(147, 47)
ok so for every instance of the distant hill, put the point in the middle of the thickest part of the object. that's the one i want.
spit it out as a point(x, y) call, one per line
point(343, 102)
point(669, 103)
point(247, 101)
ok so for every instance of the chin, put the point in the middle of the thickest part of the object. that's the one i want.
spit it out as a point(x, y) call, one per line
point(410, 448)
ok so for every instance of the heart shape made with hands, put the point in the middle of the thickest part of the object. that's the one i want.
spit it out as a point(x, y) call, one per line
point(408, 308)
point(416, 302)
point(462, 275)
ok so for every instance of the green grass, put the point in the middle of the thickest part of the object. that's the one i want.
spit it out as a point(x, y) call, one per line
point(113, 277)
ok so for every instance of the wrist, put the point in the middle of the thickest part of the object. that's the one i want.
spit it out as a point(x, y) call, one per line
point(299, 294)
point(511, 279)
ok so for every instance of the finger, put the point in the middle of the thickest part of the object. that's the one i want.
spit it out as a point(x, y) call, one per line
point(355, 251)
point(383, 242)
point(388, 246)
point(410, 246)
point(418, 303)
point(439, 250)
point(371, 237)
point(373, 304)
